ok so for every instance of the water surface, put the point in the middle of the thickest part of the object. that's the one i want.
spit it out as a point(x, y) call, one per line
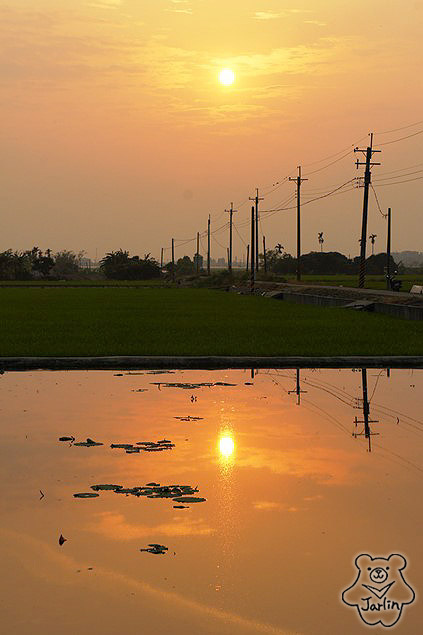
point(292, 492)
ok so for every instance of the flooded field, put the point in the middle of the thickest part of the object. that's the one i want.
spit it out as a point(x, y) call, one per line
point(205, 502)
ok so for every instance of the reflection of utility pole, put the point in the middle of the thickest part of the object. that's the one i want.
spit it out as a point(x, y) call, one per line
point(231, 213)
point(264, 254)
point(256, 200)
point(198, 254)
point(367, 180)
point(366, 432)
point(298, 390)
point(248, 256)
point(298, 180)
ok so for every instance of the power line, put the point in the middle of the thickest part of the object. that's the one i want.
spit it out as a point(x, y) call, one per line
point(386, 143)
point(411, 125)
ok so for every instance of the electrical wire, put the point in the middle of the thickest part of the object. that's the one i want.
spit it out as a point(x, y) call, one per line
point(411, 125)
point(401, 138)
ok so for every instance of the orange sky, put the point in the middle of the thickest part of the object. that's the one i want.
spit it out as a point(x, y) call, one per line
point(116, 133)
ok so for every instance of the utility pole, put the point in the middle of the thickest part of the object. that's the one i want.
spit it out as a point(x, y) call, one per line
point(248, 256)
point(256, 200)
point(208, 246)
point(264, 254)
point(367, 180)
point(161, 259)
point(231, 212)
point(388, 252)
point(298, 180)
point(173, 259)
point(252, 251)
point(198, 253)
point(298, 390)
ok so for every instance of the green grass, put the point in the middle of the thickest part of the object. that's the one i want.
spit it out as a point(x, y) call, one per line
point(85, 322)
point(372, 282)
point(157, 282)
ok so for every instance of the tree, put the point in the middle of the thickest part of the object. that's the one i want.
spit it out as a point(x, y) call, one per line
point(119, 265)
point(66, 263)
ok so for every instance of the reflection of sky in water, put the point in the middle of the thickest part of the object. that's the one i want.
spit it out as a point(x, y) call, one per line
point(292, 497)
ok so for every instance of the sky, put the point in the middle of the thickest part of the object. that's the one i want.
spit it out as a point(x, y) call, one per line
point(116, 132)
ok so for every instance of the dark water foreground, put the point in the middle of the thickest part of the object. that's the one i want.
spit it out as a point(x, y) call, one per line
point(301, 471)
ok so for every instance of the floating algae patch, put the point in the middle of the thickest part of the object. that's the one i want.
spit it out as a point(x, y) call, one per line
point(89, 443)
point(144, 446)
point(71, 439)
point(189, 418)
point(190, 499)
point(105, 487)
point(158, 550)
point(86, 495)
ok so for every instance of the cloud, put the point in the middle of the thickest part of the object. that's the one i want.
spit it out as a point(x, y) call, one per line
point(105, 4)
point(267, 15)
point(115, 527)
point(316, 22)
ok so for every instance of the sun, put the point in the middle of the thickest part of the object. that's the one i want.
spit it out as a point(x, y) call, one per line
point(226, 77)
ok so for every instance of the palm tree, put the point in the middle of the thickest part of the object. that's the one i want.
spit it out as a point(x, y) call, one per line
point(372, 239)
point(321, 240)
point(279, 247)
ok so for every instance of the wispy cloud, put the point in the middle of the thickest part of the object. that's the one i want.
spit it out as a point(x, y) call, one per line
point(268, 15)
point(105, 4)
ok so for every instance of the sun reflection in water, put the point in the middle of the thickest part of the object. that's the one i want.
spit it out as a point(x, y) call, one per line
point(226, 446)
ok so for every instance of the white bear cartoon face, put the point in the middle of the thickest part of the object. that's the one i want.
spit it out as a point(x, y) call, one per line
point(380, 590)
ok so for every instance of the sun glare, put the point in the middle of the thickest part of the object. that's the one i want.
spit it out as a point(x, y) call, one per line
point(226, 77)
point(226, 446)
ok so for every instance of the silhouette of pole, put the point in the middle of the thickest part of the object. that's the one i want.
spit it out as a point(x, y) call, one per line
point(297, 390)
point(256, 200)
point(161, 259)
point(367, 180)
point(366, 407)
point(231, 212)
point(298, 181)
point(264, 254)
point(198, 253)
point(248, 256)
point(173, 259)
point(388, 252)
point(252, 251)
point(208, 246)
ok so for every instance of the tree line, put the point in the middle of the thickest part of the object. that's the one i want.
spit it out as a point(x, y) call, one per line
point(36, 264)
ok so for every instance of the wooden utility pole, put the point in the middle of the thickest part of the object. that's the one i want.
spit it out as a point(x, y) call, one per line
point(298, 181)
point(252, 249)
point(173, 259)
point(248, 255)
point(161, 259)
point(388, 252)
point(198, 253)
point(208, 247)
point(264, 254)
point(256, 200)
point(231, 212)
point(367, 181)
